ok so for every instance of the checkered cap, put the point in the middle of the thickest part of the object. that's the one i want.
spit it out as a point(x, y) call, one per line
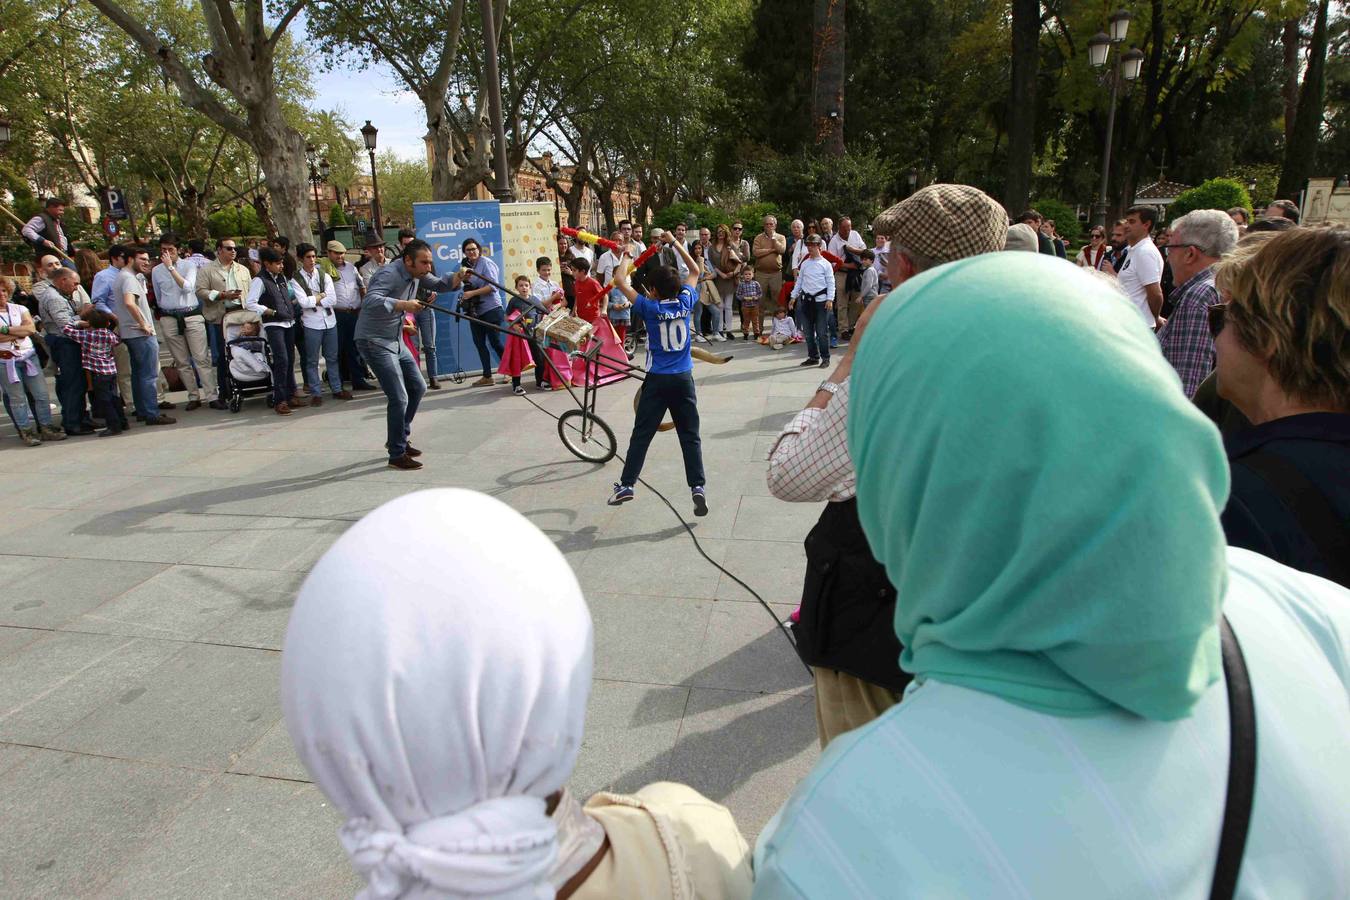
point(945, 222)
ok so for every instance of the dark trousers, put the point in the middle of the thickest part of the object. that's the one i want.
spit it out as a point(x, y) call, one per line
point(282, 344)
point(69, 380)
point(350, 364)
point(215, 339)
point(817, 328)
point(659, 394)
point(107, 405)
point(484, 336)
point(299, 351)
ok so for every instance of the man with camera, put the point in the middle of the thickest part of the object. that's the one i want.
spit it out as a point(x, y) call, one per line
point(478, 276)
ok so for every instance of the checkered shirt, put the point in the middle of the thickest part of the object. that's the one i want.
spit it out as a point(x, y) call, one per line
point(946, 222)
point(810, 461)
point(96, 348)
point(1186, 341)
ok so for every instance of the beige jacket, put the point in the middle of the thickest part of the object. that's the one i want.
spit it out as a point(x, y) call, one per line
point(211, 280)
point(667, 842)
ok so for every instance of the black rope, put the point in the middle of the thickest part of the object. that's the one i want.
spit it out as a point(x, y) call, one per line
point(787, 633)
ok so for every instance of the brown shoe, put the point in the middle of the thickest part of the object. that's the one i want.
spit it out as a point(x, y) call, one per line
point(194, 404)
point(433, 384)
point(283, 408)
point(166, 405)
point(343, 395)
point(413, 451)
point(485, 381)
point(316, 400)
point(404, 462)
point(299, 400)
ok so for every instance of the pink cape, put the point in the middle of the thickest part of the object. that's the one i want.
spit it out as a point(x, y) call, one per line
point(610, 346)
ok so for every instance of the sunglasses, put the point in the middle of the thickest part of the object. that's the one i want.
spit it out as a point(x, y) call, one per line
point(737, 228)
point(1217, 318)
point(229, 247)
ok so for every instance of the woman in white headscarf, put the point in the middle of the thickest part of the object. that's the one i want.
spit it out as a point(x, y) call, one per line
point(434, 682)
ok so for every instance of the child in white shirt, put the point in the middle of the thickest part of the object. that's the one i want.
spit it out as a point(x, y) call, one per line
point(784, 330)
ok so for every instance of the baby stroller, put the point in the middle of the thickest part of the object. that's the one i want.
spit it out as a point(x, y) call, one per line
point(248, 372)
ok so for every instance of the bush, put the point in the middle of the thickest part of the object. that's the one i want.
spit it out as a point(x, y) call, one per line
point(234, 221)
point(751, 215)
point(809, 185)
point(1066, 220)
point(337, 218)
point(1217, 193)
point(695, 215)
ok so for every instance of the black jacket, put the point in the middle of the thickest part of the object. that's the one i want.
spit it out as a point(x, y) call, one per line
point(1291, 493)
point(847, 619)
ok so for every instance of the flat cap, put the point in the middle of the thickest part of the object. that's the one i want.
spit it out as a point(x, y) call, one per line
point(946, 222)
point(1022, 237)
point(335, 247)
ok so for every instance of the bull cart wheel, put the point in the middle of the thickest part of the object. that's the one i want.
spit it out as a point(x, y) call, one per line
point(588, 437)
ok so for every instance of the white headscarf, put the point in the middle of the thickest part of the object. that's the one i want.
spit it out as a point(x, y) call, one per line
point(434, 682)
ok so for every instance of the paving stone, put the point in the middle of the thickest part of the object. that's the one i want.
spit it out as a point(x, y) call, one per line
point(243, 837)
point(746, 651)
point(64, 589)
point(202, 708)
point(53, 683)
point(13, 639)
point(630, 730)
point(775, 569)
point(273, 756)
point(70, 820)
point(657, 640)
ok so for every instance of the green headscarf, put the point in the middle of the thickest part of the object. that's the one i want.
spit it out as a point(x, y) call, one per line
point(1043, 496)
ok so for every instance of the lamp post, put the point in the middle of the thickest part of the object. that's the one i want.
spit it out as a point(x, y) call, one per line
point(631, 183)
point(912, 181)
point(1126, 66)
point(502, 189)
point(318, 174)
point(553, 172)
point(4, 134)
point(368, 132)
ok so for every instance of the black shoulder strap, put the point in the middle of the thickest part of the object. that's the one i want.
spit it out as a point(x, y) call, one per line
point(1237, 811)
point(1323, 528)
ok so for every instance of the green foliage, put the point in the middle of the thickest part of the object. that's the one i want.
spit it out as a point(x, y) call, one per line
point(811, 185)
point(337, 218)
point(751, 215)
point(1217, 193)
point(695, 215)
point(403, 182)
point(235, 221)
point(1066, 220)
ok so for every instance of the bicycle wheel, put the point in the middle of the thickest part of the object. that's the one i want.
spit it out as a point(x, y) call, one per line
point(587, 437)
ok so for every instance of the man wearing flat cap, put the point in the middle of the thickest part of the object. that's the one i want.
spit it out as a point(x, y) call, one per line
point(848, 603)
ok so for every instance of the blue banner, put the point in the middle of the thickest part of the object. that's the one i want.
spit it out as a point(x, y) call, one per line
point(445, 226)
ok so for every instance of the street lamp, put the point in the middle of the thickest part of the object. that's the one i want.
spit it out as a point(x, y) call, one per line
point(631, 182)
point(553, 172)
point(4, 133)
point(368, 132)
point(318, 174)
point(912, 181)
point(1126, 68)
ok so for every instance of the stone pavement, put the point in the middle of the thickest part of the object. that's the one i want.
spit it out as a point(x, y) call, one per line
point(148, 580)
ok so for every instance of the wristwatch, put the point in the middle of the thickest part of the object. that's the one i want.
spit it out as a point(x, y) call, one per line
point(829, 387)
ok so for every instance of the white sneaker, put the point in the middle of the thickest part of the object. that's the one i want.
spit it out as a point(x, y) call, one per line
point(718, 338)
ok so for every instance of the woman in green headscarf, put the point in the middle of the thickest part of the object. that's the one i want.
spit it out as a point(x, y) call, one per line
point(1046, 502)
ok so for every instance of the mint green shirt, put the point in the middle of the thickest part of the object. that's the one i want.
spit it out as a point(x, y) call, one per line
point(957, 793)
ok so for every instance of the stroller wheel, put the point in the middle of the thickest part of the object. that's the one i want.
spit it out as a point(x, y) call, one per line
point(236, 403)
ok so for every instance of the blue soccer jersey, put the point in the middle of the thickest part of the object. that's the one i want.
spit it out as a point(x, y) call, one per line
point(668, 331)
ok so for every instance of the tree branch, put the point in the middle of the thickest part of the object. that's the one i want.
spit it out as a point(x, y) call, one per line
point(286, 19)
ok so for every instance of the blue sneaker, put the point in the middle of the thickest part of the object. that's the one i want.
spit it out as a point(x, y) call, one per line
point(834, 342)
point(622, 494)
point(700, 501)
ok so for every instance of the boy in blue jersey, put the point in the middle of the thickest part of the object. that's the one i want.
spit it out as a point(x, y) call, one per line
point(669, 384)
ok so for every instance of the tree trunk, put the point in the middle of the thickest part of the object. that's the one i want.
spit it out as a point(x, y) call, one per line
point(1026, 32)
point(1289, 38)
point(827, 76)
point(281, 154)
point(1300, 154)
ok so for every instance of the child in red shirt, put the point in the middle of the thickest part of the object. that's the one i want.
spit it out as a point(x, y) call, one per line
point(593, 306)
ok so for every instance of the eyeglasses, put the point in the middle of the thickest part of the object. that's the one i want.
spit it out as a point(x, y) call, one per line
point(1175, 246)
point(230, 247)
point(1217, 318)
point(737, 228)
point(1097, 235)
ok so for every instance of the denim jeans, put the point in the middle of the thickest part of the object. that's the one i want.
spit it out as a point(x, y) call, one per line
point(215, 339)
point(282, 344)
point(19, 409)
point(661, 393)
point(70, 389)
point(817, 328)
point(321, 341)
point(426, 330)
point(483, 336)
point(144, 354)
point(401, 381)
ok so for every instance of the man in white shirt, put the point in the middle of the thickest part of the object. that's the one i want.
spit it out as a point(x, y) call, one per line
point(349, 286)
point(1141, 275)
point(316, 293)
point(846, 245)
point(182, 324)
point(810, 461)
point(814, 290)
point(136, 328)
